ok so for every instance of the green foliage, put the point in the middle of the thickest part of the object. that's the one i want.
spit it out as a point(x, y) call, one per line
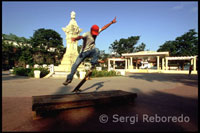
point(13, 37)
point(10, 37)
point(42, 41)
point(21, 71)
point(185, 45)
point(103, 55)
point(8, 55)
point(127, 45)
point(44, 72)
point(45, 38)
point(29, 71)
point(168, 46)
point(141, 47)
point(25, 54)
point(6, 48)
point(37, 52)
point(103, 73)
point(20, 54)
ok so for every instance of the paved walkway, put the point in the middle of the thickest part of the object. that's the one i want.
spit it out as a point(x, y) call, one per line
point(158, 94)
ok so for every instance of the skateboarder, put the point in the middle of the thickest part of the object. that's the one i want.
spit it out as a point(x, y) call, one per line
point(88, 49)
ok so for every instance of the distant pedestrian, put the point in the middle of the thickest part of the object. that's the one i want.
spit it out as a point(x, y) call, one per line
point(190, 70)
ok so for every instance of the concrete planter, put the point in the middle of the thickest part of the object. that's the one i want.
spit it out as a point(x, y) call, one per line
point(82, 75)
point(11, 72)
point(99, 68)
point(37, 73)
point(27, 66)
point(123, 73)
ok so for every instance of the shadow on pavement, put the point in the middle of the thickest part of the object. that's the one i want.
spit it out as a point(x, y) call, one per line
point(88, 119)
point(182, 78)
point(68, 89)
point(64, 90)
point(156, 103)
point(8, 77)
point(98, 85)
point(17, 116)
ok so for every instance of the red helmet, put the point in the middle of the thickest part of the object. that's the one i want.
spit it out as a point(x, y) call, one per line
point(95, 30)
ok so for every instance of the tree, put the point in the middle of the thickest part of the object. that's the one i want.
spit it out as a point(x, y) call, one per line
point(13, 38)
point(25, 55)
point(46, 38)
point(42, 41)
point(104, 56)
point(8, 55)
point(15, 54)
point(22, 53)
point(169, 46)
point(10, 37)
point(124, 45)
point(185, 45)
point(127, 45)
point(58, 54)
point(141, 47)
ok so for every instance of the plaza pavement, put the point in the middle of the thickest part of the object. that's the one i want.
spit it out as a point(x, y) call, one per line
point(158, 94)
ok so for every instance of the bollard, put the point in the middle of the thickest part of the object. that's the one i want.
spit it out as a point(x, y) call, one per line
point(27, 66)
point(82, 75)
point(44, 65)
point(37, 73)
point(36, 66)
point(122, 73)
point(99, 68)
point(11, 72)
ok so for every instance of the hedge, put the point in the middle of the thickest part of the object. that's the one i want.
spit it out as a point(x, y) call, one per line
point(29, 71)
point(103, 73)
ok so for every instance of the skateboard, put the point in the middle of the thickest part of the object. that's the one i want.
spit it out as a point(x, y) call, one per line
point(76, 89)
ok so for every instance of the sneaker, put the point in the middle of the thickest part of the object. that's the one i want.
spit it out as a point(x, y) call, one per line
point(67, 82)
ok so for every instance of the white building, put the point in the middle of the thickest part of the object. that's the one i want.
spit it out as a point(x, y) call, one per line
point(142, 58)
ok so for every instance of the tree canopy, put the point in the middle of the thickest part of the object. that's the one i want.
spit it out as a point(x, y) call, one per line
point(14, 38)
point(185, 45)
point(40, 52)
point(127, 45)
point(141, 47)
point(46, 38)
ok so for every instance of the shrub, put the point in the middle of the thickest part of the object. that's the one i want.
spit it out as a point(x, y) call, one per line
point(30, 71)
point(21, 71)
point(103, 73)
point(44, 72)
point(31, 74)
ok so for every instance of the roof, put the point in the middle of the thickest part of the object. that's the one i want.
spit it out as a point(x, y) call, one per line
point(181, 58)
point(117, 59)
point(146, 53)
